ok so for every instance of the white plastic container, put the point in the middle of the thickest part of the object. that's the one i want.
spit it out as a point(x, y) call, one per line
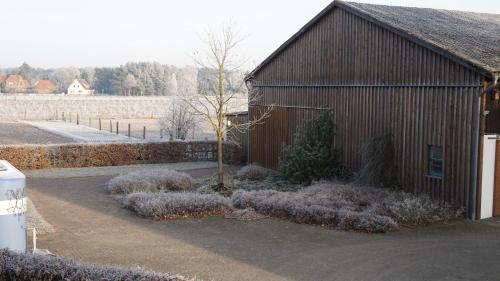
point(12, 208)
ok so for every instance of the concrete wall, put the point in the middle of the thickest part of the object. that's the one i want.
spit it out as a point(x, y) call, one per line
point(43, 107)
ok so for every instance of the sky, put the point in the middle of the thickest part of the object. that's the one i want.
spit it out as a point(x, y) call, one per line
point(61, 33)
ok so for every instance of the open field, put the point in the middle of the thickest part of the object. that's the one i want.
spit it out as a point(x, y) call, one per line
point(91, 226)
point(201, 132)
point(19, 133)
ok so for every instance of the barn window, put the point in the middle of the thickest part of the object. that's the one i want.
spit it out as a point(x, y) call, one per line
point(435, 161)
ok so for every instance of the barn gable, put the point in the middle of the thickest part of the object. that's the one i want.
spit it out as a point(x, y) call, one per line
point(467, 39)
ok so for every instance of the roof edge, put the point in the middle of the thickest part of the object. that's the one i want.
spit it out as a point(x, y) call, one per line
point(467, 62)
point(456, 57)
point(290, 40)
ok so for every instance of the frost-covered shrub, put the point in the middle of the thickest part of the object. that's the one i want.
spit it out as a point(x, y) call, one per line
point(253, 172)
point(364, 221)
point(407, 208)
point(22, 267)
point(292, 205)
point(348, 207)
point(177, 205)
point(150, 180)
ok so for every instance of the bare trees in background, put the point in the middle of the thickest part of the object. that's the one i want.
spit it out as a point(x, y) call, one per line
point(179, 121)
point(217, 97)
point(63, 77)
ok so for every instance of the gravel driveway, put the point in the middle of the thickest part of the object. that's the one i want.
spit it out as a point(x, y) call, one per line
point(91, 226)
point(19, 133)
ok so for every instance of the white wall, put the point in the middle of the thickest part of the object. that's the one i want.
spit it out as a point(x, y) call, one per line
point(488, 176)
point(76, 88)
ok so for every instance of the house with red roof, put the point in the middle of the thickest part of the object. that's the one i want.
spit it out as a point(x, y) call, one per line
point(44, 87)
point(2, 82)
point(16, 84)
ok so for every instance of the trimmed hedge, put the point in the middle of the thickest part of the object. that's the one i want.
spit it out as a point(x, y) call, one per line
point(28, 157)
point(27, 267)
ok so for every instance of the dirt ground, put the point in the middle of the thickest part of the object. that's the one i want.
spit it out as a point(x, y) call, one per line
point(18, 133)
point(91, 226)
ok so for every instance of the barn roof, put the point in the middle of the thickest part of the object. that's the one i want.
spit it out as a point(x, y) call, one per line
point(472, 38)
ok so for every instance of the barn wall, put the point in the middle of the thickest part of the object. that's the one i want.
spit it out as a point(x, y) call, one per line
point(376, 82)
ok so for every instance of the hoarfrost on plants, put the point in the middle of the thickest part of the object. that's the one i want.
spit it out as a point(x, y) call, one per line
point(177, 205)
point(348, 207)
point(253, 172)
point(151, 180)
point(14, 266)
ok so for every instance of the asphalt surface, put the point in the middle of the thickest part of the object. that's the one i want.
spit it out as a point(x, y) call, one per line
point(91, 226)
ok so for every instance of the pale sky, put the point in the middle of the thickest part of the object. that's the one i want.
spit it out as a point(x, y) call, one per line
point(57, 33)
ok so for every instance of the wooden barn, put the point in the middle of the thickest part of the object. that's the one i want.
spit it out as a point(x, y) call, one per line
point(425, 76)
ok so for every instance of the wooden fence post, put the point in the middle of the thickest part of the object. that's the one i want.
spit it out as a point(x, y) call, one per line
point(129, 130)
point(100, 127)
point(77, 119)
point(110, 126)
point(144, 132)
point(117, 129)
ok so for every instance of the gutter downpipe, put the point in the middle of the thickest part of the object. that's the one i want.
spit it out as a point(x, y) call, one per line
point(476, 125)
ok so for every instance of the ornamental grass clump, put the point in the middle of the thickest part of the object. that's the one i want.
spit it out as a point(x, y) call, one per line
point(253, 172)
point(14, 266)
point(175, 205)
point(348, 207)
point(150, 181)
point(379, 165)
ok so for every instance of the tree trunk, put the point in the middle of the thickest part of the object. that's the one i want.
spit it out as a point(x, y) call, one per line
point(220, 163)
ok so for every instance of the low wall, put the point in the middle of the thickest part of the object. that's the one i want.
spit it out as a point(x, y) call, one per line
point(29, 157)
point(44, 107)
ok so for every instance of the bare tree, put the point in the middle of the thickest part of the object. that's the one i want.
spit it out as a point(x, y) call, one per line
point(179, 121)
point(219, 96)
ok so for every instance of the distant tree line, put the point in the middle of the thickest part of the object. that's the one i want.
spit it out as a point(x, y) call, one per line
point(131, 79)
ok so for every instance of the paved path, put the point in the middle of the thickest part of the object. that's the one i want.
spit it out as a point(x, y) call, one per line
point(91, 226)
point(80, 133)
point(116, 170)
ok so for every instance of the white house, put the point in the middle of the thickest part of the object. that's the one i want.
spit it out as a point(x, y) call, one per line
point(80, 87)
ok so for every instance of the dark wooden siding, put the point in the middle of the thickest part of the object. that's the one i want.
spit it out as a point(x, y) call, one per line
point(493, 118)
point(240, 137)
point(376, 82)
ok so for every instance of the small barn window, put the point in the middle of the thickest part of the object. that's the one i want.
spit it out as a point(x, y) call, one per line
point(435, 161)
